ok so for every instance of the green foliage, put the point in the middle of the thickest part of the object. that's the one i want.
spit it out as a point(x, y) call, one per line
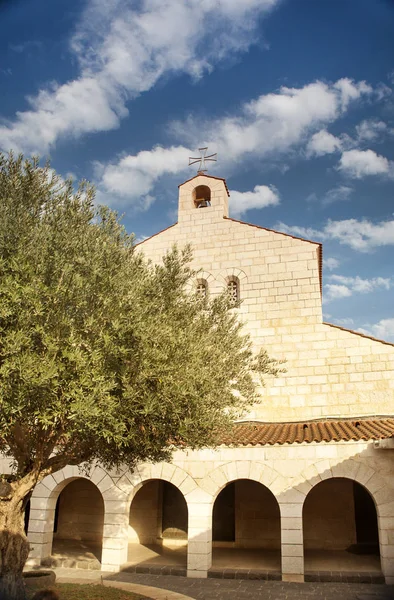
point(103, 355)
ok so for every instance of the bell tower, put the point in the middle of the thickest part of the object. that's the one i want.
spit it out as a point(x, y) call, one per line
point(203, 197)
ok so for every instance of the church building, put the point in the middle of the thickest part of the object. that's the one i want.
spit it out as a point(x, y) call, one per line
point(302, 489)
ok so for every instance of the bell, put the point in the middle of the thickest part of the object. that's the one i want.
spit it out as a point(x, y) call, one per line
point(202, 203)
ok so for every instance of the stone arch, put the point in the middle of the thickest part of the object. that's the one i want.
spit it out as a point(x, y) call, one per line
point(43, 503)
point(348, 469)
point(232, 273)
point(200, 276)
point(375, 485)
point(215, 481)
point(159, 505)
point(244, 512)
point(52, 485)
point(162, 471)
point(201, 196)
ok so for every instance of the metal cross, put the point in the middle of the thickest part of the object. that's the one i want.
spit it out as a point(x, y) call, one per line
point(202, 160)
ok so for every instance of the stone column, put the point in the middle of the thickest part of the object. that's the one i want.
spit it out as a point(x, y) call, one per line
point(115, 534)
point(292, 544)
point(386, 537)
point(41, 521)
point(199, 549)
point(383, 495)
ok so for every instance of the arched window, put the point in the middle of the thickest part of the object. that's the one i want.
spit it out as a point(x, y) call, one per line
point(233, 291)
point(202, 288)
point(202, 196)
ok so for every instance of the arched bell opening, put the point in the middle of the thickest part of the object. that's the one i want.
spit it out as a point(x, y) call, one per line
point(246, 528)
point(340, 529)
point(158, 526)
point(202, 196)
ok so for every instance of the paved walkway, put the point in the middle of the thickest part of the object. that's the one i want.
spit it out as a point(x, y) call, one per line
point(97, 577)
point(161, 586)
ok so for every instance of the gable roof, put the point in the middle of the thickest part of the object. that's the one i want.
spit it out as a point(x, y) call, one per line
point(364, 335)
point(155, 234)
point(294, 237)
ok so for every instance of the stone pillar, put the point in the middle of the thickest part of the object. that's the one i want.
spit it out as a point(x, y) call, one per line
point(386, 539)
point(115, 534)
point(292, 543)
point(383, 495)
point(41, 521)
point(199, 549)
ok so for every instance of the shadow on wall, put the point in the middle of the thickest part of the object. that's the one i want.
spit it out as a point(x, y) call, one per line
point(246, 515)
point(158, 514)
point(339, 514)
point(79, 513)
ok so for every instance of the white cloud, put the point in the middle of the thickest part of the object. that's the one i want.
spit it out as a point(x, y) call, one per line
point(362, 286)
point(270, 124)
point(331, 263)
point(363, 236)
point(322, 143)
point(123, 48)
point(349, 92)
point(342, 286)
point(384, 329)
point(345, 322)
point(335, 292)
point(260, 197)
point(131, 179)
point(337, 194)
point(141, 238)
point(360, 163)
point(370, 130)
point(274, 122)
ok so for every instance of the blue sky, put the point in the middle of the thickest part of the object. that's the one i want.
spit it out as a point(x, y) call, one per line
point(295, 96)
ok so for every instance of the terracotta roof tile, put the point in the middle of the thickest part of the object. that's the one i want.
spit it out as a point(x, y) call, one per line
point(256, 433)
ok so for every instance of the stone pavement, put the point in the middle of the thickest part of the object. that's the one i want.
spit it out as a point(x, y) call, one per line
point(234, 589)
point(64, 575)
point(161, 586)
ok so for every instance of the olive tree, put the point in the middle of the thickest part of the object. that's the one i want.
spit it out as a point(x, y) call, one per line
point(103, 355)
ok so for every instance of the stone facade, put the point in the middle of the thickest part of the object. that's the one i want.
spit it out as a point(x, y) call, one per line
point(330, 373)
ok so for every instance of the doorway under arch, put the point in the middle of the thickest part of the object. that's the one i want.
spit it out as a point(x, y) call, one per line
point(246, 528)
point(78, 525)
point(340, 529)
point(158, 526)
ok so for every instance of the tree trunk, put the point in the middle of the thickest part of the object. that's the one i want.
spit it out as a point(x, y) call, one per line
point(14, 548)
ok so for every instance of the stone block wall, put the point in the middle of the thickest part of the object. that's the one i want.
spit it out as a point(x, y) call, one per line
point(158, 513)
point(257, 516)
point(330, 372)
point(328, 516)
point(145, 514)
